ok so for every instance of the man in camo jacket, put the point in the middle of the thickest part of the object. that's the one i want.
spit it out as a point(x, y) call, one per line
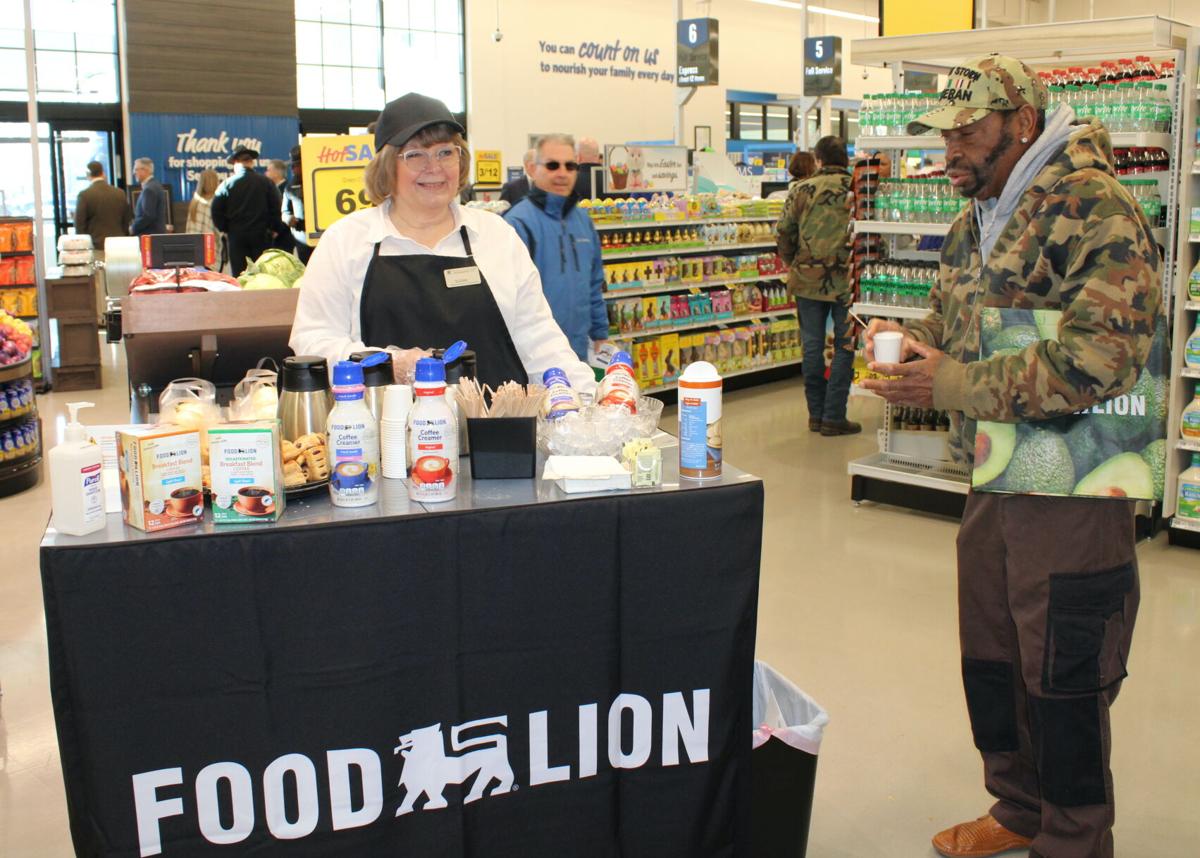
point(1048, 586)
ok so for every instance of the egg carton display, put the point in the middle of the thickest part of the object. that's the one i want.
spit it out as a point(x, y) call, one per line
point(599, 430)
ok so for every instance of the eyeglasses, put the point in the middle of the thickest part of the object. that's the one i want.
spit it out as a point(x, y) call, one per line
point(554, 166)
point(418, 160)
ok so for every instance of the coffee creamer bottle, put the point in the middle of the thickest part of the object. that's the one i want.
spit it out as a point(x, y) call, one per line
point(353, 438)
point(619, 386)
point(432, 437)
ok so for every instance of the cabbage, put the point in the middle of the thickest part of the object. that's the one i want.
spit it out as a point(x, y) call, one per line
point(299, 282)
point(263, 280)
point(280, 264)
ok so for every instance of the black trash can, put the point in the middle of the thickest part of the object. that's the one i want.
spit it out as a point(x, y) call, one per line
point(783, 765)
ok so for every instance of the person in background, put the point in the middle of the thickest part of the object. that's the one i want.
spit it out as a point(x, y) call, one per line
point(801, 166)
point(277, 172)
point(1047, 586)
point(199, 218)
point(813, 240)
point(293, 208)
point(418, 270)
point(587, 154)
point(150, 213)
point(247, 209)
point(101, 210)
point(513, 192)
point(564, 245)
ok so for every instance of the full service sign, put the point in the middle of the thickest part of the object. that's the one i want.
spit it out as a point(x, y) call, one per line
point(696, 52)
point(646, 168)
point(333, 178)
point(823, 65)
point(183, 145)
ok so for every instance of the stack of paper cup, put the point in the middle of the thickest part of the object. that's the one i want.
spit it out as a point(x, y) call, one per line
point(393, 431)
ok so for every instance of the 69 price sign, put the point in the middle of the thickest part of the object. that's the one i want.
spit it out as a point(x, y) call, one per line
point(333, 179)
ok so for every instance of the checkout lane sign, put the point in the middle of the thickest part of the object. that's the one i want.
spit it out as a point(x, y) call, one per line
point(333, 178)
point(823, 65)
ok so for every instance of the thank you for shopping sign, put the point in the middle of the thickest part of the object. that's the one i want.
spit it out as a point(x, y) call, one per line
point(183, 145)
point(696, 52)
point(823, 65)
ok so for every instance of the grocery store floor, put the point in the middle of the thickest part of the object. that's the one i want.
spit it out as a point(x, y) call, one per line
point(857, 607)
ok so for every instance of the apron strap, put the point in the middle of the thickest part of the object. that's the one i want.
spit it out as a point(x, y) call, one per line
point(466, 241)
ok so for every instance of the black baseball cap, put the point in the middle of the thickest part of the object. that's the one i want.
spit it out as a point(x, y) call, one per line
point(242, 152)
point(402, 118)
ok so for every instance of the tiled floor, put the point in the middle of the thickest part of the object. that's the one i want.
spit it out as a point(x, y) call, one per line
point(857, 606)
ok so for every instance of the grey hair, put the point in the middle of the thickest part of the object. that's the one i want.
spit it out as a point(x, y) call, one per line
point(280, 166)
point(564, 139)
point(144, 162)
point(530, 156)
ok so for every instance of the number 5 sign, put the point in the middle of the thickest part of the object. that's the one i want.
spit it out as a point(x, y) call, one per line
point(333, 179)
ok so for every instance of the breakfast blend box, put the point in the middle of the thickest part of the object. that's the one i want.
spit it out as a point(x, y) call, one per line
point(247, 472)
point(160, 475)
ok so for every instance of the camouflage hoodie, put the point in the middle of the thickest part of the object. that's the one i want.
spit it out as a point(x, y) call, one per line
point(813, 239)
point(1077, 242)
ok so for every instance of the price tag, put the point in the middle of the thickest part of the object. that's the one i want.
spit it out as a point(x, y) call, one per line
point(333, 179)
point(489, 169)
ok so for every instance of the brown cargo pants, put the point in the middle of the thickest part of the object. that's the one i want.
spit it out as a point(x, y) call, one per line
point(1047, 595)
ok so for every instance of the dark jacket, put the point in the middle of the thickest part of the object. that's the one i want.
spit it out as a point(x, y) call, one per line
point(247, 208)
point(513, 192)
point(150, 213)
point(583, 182)
point(565, 248)
point(102, 211)
point(293, 207)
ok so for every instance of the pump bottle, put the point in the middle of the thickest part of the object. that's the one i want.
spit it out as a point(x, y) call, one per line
point(76, 487)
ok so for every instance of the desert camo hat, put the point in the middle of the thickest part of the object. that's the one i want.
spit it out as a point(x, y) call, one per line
point(978, 88)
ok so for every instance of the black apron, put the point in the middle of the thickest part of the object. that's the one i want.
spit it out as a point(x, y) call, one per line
point(406, 302)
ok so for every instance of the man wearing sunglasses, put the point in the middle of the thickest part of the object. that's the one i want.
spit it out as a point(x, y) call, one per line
point(564, 244)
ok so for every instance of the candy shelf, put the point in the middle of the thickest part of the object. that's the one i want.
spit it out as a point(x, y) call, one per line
point(695, 326)
point(687, 287)
point(685, 251)
point(662, 388)
point(670, 224)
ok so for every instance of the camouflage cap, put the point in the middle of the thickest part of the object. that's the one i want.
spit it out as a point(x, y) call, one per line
point(978, 88)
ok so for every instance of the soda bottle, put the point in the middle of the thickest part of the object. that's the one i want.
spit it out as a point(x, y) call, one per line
point(1162, 108)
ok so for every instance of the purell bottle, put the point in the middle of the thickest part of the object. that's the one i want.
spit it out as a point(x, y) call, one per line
point(433, 437)
point(353, 437)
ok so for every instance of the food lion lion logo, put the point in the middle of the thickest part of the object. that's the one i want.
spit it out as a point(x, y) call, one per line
point(428, 770)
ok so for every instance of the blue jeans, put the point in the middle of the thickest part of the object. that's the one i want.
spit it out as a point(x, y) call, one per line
point(826, 400)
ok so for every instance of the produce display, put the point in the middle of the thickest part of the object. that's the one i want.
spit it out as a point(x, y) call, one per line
point(16, 339)
point(1114, 449)
point(275, 269)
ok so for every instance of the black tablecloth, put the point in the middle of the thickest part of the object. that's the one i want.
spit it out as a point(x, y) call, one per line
point(585, 665)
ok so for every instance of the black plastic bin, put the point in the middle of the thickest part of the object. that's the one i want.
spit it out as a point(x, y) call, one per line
point(783, 766)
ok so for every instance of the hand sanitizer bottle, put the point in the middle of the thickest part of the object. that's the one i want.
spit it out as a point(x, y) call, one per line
point(76, 488)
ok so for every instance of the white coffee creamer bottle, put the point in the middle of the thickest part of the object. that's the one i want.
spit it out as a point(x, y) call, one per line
point(432, 437)
point(353, 438)
point(700, 438)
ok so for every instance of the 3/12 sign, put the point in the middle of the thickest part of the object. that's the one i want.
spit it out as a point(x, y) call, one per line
point(333, 179)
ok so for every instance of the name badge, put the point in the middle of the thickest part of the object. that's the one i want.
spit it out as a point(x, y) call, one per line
point(468, 276)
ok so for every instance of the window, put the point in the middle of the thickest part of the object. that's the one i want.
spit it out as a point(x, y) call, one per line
point(779, 122)
point(757, 121)
point(357, 54)
point(750, 122)
point(75, 45)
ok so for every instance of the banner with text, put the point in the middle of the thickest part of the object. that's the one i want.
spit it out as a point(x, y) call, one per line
point(646, 168)
point(183, 145)
point(333, 178)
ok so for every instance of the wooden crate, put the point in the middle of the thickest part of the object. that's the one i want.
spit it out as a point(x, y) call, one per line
point(77, 378)
point(78, 341)
point(71, 296)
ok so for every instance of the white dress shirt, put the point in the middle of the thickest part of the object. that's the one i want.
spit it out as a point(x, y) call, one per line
point(327, 313)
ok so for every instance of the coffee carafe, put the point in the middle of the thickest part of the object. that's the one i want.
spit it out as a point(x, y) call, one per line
point(459, 367)
point(375, 380)
point(305, 400)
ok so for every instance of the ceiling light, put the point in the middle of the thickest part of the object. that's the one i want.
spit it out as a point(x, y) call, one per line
point(819, 10)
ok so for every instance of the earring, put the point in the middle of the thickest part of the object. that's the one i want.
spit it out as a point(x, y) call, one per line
point(1024, 139)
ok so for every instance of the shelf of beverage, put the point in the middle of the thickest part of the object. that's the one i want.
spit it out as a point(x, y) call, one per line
point(891, 228)
point(1192, 305)
point(1186, 444)
point(1185, 524)
point(941, 476)
point(687, 287)
point(695, 326)
point(670, 224)
point(1140, 139)
point(686, 251)
point(728, 375)
point(1190, 372)
point(889, 312)
point(15, 419)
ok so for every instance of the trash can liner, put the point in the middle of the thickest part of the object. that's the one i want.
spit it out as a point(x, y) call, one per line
point(784, 711)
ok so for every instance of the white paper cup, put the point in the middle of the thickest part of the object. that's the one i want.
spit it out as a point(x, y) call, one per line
point(887, 346)
point(397, 401)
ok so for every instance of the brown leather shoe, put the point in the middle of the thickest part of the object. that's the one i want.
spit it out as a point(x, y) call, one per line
point(814, 424)
point(840, 427)
point(985, 836)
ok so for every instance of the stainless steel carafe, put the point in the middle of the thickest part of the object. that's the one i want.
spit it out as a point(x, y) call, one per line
point(375, 380)
point(305, 399)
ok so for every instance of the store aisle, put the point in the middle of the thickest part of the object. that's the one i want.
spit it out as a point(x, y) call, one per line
point(857, 606)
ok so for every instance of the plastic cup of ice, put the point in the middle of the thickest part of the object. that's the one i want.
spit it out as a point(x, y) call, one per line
point(887, 346)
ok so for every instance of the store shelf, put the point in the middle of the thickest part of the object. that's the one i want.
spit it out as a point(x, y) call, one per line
point(686, 251)
point(1185, 524)
point(1192, 305)
point(1190, 372)
point(925, 141)
point(664, 387)
point(687, 287)
point(1184, 444)
point(889, 228)
point(1142, 139)
point(675, 329)
point(1159, 234)
point(885, 311)
point(672, 224)
point(18, 419)
point(883, 466)
point(18, 476)
point(16, 371)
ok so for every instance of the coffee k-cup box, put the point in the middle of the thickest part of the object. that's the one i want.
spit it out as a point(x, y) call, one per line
point(247, 472)
point(160, 477)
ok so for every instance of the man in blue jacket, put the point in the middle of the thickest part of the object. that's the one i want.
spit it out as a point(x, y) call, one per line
point(564, 245)
point(150, 213)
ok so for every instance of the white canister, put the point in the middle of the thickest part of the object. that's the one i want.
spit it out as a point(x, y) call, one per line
point(700, 437)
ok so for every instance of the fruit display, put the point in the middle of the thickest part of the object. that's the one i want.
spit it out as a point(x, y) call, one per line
point(16, 339)
point(1117, 448)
